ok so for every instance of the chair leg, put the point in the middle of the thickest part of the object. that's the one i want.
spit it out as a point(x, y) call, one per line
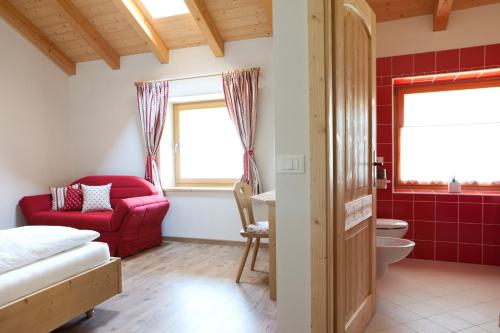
point(255, 250)
point(244, 259)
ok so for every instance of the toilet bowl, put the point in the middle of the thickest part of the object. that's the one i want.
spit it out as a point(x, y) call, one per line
point(391, 250)
point(391, 228)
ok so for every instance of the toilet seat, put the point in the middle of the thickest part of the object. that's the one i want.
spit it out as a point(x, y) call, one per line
point(390, 224)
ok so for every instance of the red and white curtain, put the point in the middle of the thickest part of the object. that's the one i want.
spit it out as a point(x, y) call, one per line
point(152, 100)
point(240, 91)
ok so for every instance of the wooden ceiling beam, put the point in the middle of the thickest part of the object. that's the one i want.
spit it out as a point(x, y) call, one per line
point(203, 19)
point(35, 36)
point(141, 24)
point(442, 10)
point(268, 10)
point(88, 32)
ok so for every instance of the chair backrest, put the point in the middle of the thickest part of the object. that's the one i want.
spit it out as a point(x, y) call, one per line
point(123, 187)
point(242, 193)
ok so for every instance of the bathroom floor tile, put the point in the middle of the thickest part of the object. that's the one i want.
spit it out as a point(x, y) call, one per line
point(489, 309)
point(401, 315)
point(452, 302)
point(437, 290)
point(483, 294)
point(432, 296)
point(471, 316)
point(426, 326)
point(423, 309)
point(383, 304)
point(450, 322)
point(492, 327)
point(370, 329)
point(397, 329)
point(399, 298)
point(474, 329)
point(420, 294)
point(380, 321)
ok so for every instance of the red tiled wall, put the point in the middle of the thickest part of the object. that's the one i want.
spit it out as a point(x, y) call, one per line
point(465, 227)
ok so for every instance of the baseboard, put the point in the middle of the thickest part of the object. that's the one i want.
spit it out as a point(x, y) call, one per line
point(206, 241)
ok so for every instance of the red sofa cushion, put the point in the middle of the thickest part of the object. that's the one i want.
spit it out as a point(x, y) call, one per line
point(98, 221)
point(73, 200)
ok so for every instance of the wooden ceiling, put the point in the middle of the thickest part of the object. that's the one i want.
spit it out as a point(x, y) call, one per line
point(72, 31)
point(388, 10)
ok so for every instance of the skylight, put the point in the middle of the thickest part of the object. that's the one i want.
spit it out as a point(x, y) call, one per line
point(164, 8)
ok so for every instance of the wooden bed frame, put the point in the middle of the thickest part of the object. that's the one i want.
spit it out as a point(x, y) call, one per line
point(53, 306)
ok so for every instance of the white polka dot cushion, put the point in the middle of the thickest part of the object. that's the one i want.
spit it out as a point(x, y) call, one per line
point(259, 227)
point(96, 198)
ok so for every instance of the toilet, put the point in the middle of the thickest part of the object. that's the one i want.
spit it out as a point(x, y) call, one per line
point(391, 250)
point(391, 247)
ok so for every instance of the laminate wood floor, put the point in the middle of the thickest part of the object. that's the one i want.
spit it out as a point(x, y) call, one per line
point(186, 287)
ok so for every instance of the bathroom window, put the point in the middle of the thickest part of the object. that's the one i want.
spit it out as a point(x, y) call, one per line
point(448, 130)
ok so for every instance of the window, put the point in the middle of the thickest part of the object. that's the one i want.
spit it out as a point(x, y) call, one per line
point(208, 151)
point(445, 131)
point(165, 8)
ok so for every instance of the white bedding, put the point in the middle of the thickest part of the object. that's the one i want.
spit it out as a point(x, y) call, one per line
point(28, 279)
point(25, 245)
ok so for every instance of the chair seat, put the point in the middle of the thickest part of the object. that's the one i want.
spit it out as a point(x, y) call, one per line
point(258, 228)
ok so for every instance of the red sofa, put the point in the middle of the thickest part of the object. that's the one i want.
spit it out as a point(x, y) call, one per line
point(132, 226)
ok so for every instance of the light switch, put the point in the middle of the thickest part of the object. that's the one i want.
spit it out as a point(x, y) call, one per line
point(290, 164)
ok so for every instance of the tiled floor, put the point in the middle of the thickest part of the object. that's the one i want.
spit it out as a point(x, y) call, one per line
point(432, 296)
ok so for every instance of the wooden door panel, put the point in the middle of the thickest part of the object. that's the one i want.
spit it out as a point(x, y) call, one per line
point(342, 113)
point(357, 105)
point(354, 110)
point(357, 271)
point(357, 211)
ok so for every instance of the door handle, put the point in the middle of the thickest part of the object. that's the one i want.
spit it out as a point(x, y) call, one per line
point(378, 163)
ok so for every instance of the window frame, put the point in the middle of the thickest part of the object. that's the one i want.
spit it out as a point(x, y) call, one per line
point(399, 93)
point(195, 182)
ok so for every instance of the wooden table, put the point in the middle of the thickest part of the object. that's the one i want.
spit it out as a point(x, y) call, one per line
point(269, 198)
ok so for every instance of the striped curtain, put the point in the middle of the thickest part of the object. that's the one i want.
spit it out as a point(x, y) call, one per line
point(240, 91)
point(152, 99)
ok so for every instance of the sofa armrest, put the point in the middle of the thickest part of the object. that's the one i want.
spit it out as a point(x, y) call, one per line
point(36, 203)
point(125, 207)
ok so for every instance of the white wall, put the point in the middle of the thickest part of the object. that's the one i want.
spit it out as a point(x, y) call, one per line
point(468, 27)
point(292, 190)
point(34, 136)
point(108, 138)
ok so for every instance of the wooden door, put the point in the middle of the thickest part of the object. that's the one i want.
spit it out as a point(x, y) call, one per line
point(352, 144)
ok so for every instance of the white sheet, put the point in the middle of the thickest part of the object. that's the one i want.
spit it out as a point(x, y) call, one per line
point(28, 279)
point(25, 245)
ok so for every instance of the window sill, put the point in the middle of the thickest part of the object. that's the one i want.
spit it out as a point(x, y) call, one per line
point(444, 192)
point(197, 189)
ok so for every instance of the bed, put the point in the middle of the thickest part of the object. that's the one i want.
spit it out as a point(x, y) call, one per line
point(42, 295)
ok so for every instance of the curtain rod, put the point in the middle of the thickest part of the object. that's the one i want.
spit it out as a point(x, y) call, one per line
point(193, 76)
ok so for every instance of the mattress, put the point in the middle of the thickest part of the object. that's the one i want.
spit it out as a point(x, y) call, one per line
point(25, 280)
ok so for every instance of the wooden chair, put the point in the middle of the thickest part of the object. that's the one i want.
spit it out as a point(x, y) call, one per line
point(251, 229)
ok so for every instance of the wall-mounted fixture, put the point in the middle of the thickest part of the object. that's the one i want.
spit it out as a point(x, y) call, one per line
point(291, 164)
point(381, 174)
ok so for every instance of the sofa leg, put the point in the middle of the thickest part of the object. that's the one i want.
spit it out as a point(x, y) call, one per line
point(89, 314)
